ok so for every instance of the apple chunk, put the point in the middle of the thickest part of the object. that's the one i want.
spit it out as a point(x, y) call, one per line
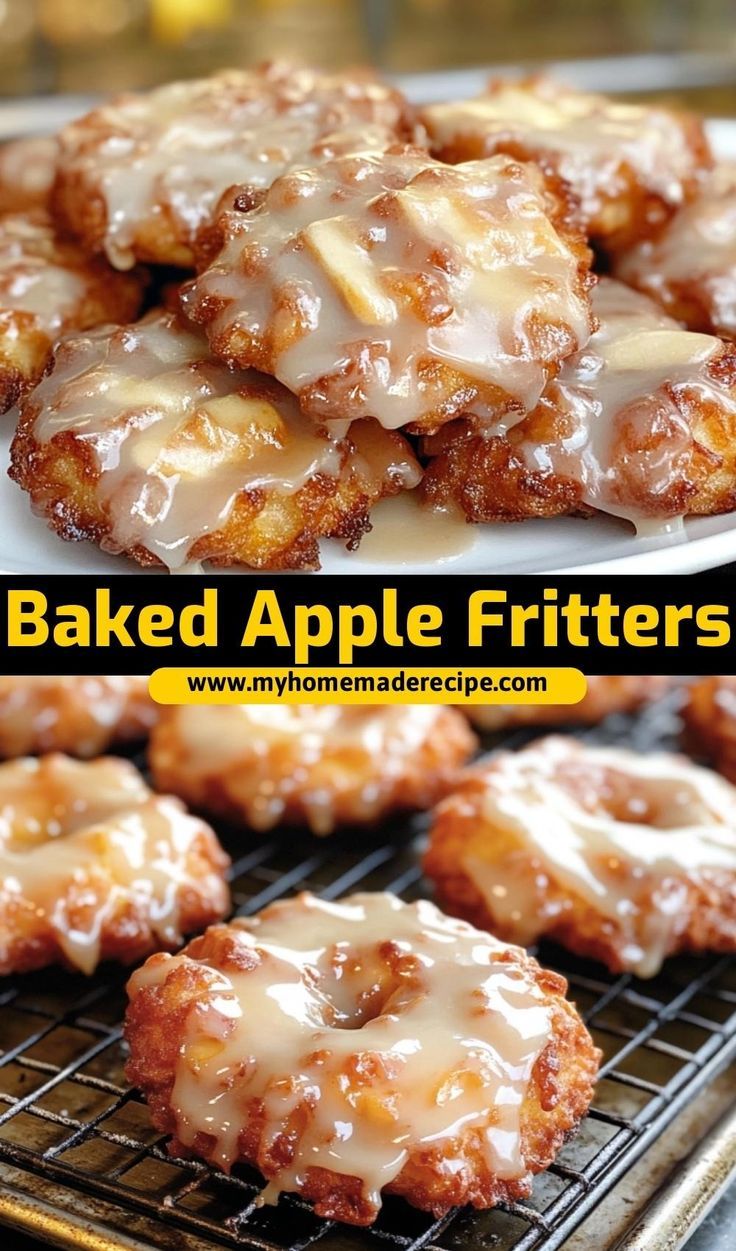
point(349, 268)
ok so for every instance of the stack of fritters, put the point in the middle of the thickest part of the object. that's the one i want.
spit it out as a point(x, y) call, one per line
point(365, 299)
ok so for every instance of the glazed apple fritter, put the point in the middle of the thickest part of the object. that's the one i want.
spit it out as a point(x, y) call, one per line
point(48, 287)
point(394, 287)
point(641, 424)
point(710, 722)
point(689, 267)
point(142, 442)
point(27, 172)
point(618, 856)
point(390, 1050)
point(316, 765)
point(83, 716)
point(94, 866)
point(139, 176)
point(630, 165)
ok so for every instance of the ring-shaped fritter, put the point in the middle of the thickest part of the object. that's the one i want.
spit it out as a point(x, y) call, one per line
point(358, 1048)
point(618, 856)
point(94, 866)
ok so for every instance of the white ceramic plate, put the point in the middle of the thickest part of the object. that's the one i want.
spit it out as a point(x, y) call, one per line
point(565, 545)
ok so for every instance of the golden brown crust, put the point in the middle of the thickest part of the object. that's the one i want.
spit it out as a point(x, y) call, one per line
point(689, 265)
point(83, 716)
point(462, 831)
point(490, 481)
point(262, 778)
point(622, 219)
point(211, 464)
point(127, 934)
point(710, 722)
point(558, 1095)
point(264, 529)
point(690, 302)
point(81, 210)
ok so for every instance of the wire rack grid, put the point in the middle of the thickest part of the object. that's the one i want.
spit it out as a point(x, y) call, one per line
point(67, 1116)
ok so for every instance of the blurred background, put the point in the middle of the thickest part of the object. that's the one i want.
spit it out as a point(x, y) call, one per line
point(665, 47)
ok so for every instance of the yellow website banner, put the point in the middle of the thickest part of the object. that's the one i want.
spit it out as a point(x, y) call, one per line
point(342, 685)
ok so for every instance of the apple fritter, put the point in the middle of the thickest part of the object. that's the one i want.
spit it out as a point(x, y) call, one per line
point(623, 857)
point(27, 172)
point(630, 165)
point(689, 267)
point(710, 722)
point(142, 442)
point(394, 287)
point(641, 424)
point(83, 716)
point(322, 766)
point(354, 1049)
point(94, 866)
point(139, 176)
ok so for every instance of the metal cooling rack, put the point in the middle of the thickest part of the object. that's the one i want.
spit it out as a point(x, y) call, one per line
point(75, 1137)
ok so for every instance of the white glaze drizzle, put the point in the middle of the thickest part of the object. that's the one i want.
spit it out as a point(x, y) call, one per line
point(454, 1038)
point(621, 381)
point(398, 263)
point(176, 436)
point(180, 146)
point(404, 531)
point(552, 797)
point(287, 751)
point(590, 135)
point(97, 831)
